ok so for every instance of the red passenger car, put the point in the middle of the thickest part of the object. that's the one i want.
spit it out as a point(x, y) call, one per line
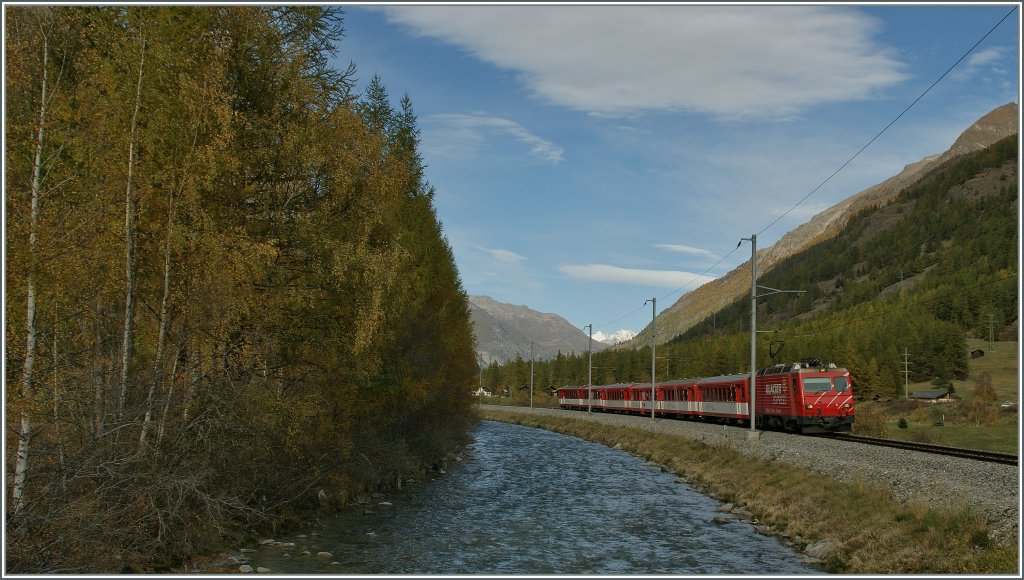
point(807, 397)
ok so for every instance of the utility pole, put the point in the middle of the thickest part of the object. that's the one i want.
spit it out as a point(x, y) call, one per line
point(531, 375)
point(654, 338)
point(753, 329)
point(590, 364)
point(753, 334)
point(906, 373)
point(991, 323)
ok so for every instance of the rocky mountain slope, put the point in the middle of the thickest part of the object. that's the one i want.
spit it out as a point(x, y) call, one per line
point(505, 330)
point(696, 305)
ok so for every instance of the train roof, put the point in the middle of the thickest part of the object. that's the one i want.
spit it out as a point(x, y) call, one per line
point(613, 386)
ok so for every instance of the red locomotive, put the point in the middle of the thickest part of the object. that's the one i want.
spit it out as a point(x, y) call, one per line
point(806, 397)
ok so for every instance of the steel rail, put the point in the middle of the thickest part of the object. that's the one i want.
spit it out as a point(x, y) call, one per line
point(975, 454)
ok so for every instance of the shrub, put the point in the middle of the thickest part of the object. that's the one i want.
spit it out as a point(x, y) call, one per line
point(871, 421)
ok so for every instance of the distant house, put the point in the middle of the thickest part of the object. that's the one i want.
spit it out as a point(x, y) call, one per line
point(932, 396)
point(977, 353)
point(481, 393)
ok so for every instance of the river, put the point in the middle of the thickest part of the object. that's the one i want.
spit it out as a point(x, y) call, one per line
point(528, 501)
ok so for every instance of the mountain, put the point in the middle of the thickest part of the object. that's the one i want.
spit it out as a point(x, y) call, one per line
point(506, 330)
point(615, 337)
point(711, 297)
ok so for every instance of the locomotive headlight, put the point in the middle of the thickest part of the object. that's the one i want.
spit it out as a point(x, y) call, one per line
point(809, 406)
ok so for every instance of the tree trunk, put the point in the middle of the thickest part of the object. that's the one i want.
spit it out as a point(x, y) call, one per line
point(56, 405)
point(127, 339)
point(167, 399)
point(162, 333)
point(25, 435)
point(99, 373)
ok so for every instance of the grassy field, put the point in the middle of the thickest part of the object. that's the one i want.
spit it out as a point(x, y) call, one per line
point(960, 428)
point(869, 532)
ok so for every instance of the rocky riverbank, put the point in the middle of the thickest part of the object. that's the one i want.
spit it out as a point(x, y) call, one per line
point(850, 507)
point(991, 489)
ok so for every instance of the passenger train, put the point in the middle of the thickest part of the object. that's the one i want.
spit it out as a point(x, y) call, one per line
point(809, 396)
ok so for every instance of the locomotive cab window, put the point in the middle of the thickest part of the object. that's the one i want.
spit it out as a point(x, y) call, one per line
point(841, 384)
point(817, 385)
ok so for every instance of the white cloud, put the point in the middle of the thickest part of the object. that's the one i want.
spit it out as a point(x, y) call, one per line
point(616, 275)
point(503, 256)
point(988, 59)
point(461, 134)
point(683, 249)
point(730, 62)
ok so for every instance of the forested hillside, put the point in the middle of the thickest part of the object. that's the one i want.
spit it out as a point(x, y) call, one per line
point(228, 297)
point(917, 275)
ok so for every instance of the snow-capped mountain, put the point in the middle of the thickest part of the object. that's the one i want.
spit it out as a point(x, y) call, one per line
point(615, 337)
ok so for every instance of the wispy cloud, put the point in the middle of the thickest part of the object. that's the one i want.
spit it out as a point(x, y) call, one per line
point(683, 249)
point(462, 134)
point(729, 62)
point(617, 275)
point(502, 256)
point(979, 62)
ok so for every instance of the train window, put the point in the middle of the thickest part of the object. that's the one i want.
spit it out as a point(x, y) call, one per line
point(841, 384)
point(817, 385)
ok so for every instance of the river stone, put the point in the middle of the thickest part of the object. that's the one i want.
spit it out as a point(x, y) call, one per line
point(262, 570)
point(267, 541)
point(722, 518)
point(818, 550)
point(743, 513)
point(725, 508)
point(324, 554)
point(247, 550)
point(245, 569)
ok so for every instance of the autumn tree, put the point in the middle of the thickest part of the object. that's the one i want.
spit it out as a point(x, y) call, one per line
point(982, 399)
point(213, 254)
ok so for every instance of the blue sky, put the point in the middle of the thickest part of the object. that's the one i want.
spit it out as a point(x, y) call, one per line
point(588, 158)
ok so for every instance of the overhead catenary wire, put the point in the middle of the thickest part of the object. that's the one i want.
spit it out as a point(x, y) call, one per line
point(841, 167)
point(891, 123)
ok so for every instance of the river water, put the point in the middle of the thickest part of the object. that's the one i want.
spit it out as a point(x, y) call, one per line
point(528, 501)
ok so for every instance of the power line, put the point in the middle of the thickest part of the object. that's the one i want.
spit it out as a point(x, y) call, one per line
point(836, 172)
point(891, 123)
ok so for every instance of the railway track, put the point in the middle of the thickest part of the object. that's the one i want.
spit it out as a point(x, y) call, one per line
point(986, 456)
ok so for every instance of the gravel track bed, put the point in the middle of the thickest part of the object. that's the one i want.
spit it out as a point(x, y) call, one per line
point(991, 489)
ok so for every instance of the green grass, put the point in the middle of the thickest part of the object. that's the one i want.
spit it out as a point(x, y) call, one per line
point(1001, 363)
point(999, 437)
point(960, 429)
